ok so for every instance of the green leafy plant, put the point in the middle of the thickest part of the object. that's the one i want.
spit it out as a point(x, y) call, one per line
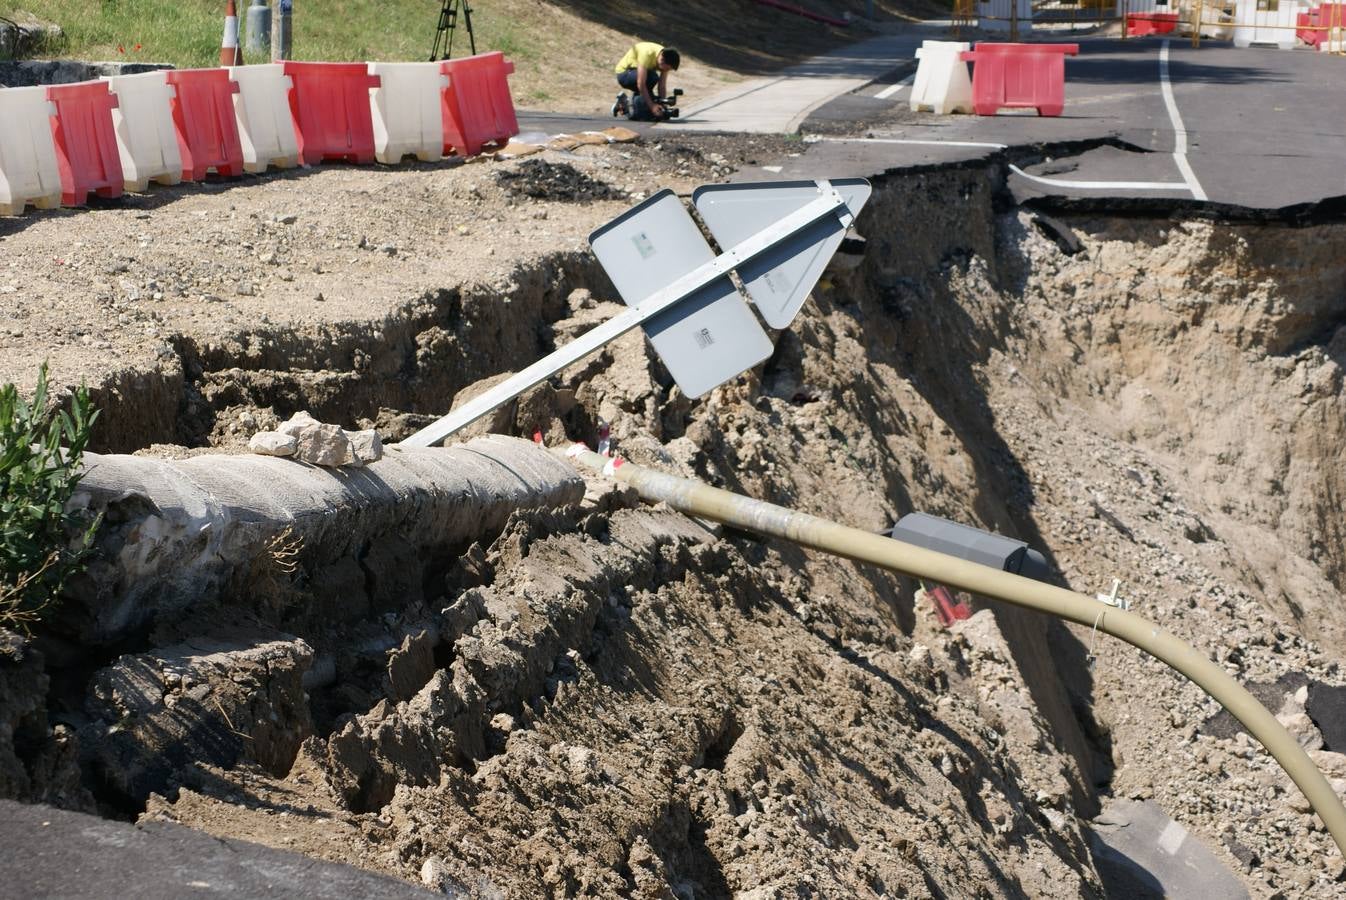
point(41, 543)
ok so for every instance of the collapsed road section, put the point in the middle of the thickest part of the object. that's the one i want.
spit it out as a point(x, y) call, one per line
point(588, 696)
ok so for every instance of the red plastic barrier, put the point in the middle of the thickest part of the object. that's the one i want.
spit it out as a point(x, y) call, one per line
point(1019, 76)
point(329, 103)
point(203, 117)
point(1141, 24)
point(477, 107)
point(86, 145)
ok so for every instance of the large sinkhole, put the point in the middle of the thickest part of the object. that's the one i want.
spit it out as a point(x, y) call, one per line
point(1214, 347)
point(1153, 400)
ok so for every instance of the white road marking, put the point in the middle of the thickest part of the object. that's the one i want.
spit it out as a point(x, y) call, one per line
point(1104, 185)
point(894, 88)
point(1171, 838)
point(817, 138)
point(1179, 132)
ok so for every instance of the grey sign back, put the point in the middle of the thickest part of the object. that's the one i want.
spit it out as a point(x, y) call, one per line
point(712, 335)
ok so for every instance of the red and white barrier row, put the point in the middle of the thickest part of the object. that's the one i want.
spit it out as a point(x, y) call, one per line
point(62, 142)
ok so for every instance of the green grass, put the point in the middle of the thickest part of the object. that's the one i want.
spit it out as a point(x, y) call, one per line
point(186, 33)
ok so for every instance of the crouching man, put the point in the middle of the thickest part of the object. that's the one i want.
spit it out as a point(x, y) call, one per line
point(644, 71)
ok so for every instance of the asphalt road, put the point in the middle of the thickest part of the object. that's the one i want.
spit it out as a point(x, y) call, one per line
point(1146, 119)
point(54, 854)
point(1257, 128)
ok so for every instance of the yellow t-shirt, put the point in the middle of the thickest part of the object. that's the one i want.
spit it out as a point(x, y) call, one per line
point(645, 53)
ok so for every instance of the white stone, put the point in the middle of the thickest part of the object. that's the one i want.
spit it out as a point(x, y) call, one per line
point(296, 423)
point(1302, 728)
point(367, 445)
point(582, 762)
point(273, 443)
point(1332, 764)
point(325, 445)
point(1057, 820)
point(434, 873)
point(319, 444)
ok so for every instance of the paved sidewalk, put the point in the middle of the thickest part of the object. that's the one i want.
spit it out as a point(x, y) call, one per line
point(780, 103)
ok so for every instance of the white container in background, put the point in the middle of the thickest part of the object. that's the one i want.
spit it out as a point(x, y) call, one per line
point(1147, 6)
point(1256, 24)
point(994, 15)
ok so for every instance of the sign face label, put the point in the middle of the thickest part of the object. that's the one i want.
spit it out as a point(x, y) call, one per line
point(777, 283)
point(643, 245)
point(690, 338)
point(779, 280)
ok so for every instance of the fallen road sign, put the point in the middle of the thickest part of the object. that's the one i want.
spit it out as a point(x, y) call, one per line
point(682, 294)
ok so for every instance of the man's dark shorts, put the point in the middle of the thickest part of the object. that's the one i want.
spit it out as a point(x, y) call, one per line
point(639, 111)
point(627, 80)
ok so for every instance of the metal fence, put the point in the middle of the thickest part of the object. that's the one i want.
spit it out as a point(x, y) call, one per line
point(1282, 23)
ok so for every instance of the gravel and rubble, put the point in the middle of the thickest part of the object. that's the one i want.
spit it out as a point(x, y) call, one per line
point(604, 699)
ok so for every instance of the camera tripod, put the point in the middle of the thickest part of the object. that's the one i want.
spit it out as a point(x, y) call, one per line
point(448, 23)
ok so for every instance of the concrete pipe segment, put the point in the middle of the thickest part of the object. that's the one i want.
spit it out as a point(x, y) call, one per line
point(178, 534)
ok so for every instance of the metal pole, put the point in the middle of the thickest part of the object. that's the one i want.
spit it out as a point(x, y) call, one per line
point(280, 31)
point(697, 499)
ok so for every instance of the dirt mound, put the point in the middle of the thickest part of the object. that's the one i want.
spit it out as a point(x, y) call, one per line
point(539, 179)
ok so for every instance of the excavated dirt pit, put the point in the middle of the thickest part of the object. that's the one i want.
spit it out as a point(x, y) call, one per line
point(613, 700)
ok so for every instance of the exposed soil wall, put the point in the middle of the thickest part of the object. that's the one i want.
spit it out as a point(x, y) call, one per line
point(1219, 349)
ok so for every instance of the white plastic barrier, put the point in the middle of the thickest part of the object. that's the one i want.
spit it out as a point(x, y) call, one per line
point(262, 111)
point(1259, 26)
point(28, 168)
point(143, 122)
point(407, 111)
point(942, 84)
point(994, 15)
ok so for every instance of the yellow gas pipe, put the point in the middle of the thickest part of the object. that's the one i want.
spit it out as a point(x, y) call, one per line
point(697, 499)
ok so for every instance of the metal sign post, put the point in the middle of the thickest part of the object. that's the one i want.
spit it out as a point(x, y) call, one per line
point(780, 236)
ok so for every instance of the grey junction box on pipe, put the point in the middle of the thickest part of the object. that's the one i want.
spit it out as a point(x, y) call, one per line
point(971, 544)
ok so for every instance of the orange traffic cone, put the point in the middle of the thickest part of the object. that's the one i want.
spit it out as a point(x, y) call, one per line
point(230, 54)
